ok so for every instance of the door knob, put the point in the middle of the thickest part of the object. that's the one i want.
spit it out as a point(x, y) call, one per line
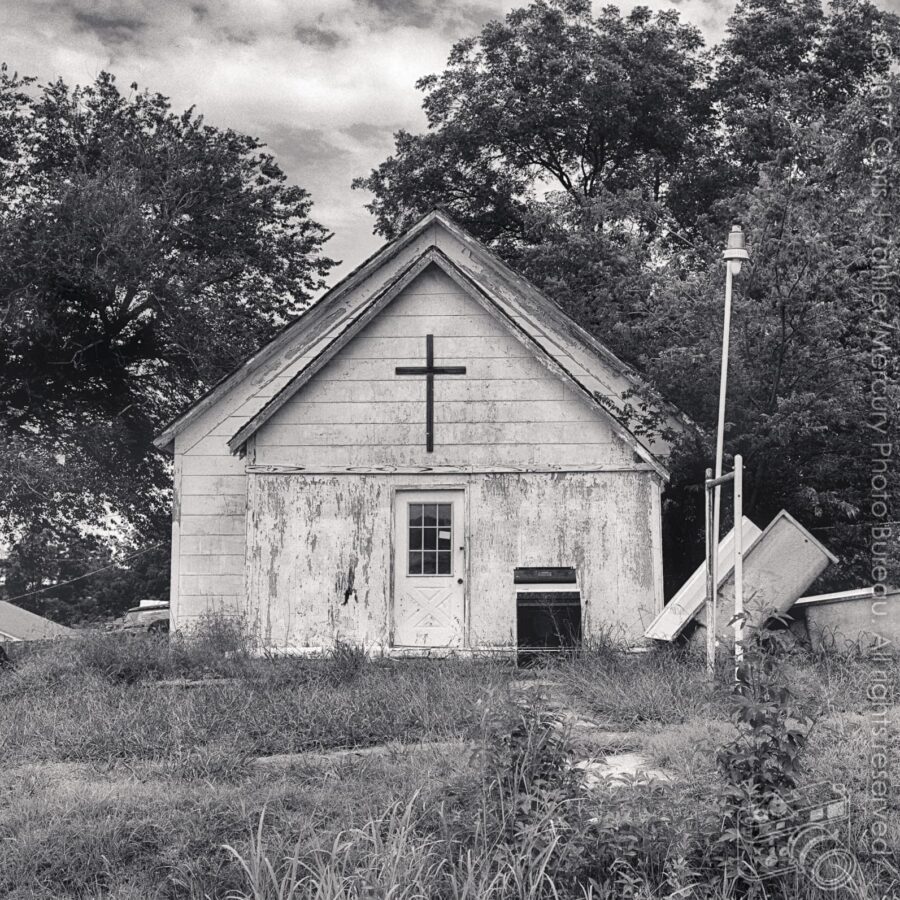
point(459, 580)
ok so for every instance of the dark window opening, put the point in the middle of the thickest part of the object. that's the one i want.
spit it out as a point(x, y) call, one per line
point(550, 621)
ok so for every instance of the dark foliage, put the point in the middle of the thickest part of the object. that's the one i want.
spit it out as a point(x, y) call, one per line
point(143, 254)
point(606, 157)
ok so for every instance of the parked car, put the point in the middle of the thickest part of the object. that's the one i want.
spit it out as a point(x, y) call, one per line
point(148, 615)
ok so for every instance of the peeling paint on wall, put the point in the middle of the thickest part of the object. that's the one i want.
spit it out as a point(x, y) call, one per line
point(320, 551)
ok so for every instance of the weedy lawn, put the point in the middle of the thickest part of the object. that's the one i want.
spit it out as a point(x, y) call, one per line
point(130, 769)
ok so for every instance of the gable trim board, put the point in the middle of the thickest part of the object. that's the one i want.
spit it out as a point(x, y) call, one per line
point(379, 301)
point(333, 344)
point(292, 331)
point(508, 288)
point(536, 469)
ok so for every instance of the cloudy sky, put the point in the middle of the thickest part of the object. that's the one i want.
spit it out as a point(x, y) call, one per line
point(324, 83)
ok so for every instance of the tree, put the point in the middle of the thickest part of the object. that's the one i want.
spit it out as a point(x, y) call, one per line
point(784, 65)
point(554, 135)
point(619, 198)
point(549, 99)
point(811, 343)
point(143, 254)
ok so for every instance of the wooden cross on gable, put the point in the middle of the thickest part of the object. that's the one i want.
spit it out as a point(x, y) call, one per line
point(429, 370)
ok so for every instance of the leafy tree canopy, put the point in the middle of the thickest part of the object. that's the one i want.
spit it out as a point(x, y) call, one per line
point(143, 254)
point(550, 98)
point(606, 156)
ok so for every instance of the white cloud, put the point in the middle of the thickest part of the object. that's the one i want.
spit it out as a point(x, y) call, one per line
point(324, 82)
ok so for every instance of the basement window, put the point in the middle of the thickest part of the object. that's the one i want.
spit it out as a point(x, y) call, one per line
point(430, 539)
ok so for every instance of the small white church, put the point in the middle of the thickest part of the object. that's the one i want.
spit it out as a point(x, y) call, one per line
point(432, 458)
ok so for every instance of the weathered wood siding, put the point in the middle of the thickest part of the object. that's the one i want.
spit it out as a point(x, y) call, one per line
point(320, 547)
point(319, 559)
point(209, 520)
point(600, 523)
point(507, 410)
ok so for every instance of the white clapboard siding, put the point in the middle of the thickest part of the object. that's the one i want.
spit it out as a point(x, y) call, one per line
point(217, 585)
point(396, 347)
point(213, 545)
point(442, 325)
point(561, 523)
point(305, 413)
point(212, 485)
point(405, 435)
point(210, 513)
point(212, 464)
point(340, 585)
point(445, 301)
point(574, 353)
point(205, 564)
point(212, 525)
point(500, 456)
point(349, 368)
point(508, 408)
point(506, 398)
point(409, 388)
point(218, 505)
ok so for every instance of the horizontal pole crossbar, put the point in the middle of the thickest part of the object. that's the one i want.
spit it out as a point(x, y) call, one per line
point(722, 479)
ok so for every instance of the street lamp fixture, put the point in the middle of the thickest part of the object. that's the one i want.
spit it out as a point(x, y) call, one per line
point(735, 252)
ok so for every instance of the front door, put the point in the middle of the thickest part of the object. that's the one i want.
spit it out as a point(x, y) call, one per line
point(429, 569)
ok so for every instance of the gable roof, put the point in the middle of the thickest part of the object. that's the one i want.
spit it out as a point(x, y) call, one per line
point(558, 342)
point(18, 624)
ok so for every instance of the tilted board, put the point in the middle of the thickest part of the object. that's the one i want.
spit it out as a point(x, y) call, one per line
point(778, 567)
point(690, 597)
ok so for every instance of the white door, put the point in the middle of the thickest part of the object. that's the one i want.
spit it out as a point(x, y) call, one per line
point(429, 569)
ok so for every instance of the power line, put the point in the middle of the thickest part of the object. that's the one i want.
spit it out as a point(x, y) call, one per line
point(870, 524)
point(53, 587)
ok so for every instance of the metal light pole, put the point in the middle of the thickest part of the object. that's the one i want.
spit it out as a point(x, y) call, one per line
point(735, 253)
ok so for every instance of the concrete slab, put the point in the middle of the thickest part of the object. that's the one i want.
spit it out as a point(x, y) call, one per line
point(619, 769)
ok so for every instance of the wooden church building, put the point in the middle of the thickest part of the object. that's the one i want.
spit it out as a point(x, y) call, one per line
point(432, 457)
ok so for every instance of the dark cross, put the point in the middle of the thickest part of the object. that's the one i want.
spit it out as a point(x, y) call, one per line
point(429, 370)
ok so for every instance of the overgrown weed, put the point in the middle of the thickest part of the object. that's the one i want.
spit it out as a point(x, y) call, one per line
point(175, 780)
point(108, 696)
point(665, 685)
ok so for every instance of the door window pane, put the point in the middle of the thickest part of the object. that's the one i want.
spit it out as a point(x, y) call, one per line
point(430, 531)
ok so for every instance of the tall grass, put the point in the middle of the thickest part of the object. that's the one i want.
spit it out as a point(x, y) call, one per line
point(500, 835)
point(522, 828)
point(121, 781)
point(107, 697)
point(389, 856)
point(626, 689)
